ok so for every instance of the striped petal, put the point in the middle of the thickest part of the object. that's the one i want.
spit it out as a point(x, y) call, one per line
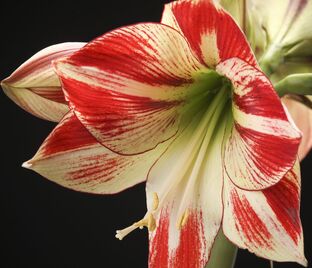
point(266, 222)
point(35, 87)
point(128, 87)
point(73, 158)
point(262, 144)
point(212, 33)
point(188, 182)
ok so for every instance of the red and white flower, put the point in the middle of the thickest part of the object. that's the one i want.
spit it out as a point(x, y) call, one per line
point(183, 105)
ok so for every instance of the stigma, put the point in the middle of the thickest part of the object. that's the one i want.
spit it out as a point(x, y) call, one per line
point(148, 221)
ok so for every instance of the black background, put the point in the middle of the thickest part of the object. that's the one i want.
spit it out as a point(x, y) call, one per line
point(43, 224)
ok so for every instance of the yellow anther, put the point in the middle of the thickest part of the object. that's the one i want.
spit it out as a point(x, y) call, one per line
point(182, 220)
point(185, 218)
point(151, 223)
point(155, 201)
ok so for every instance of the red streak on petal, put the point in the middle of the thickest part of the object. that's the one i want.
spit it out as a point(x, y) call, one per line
point(284, 198)
point(199, 18)
point(94, 169)
point(263, 147)
point(40, 63)
point(249, 222)
point(62, 139)
point(122, 121)
point(261, 101)
point(190, 250)
point(56, 94)
point(131, 55)
point(159, 247)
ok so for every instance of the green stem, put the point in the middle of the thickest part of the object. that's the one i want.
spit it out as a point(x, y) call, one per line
point(223, 253)
point(270, 61)
point(244, 17)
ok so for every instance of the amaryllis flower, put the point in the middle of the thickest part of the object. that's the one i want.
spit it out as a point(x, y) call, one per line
point(185, 106)
point(35, 87)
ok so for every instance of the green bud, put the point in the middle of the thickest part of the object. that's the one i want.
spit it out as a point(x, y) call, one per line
point(298, 84)
point(302, 51)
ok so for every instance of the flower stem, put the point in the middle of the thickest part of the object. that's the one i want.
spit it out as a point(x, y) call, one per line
point(244, 17)
point(270, 61)
point(223, 253)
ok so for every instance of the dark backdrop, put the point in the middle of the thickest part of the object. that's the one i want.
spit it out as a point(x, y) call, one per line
point(43, 224)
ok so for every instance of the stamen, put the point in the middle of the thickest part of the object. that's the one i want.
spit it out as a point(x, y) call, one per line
point(185, 217)
point(155, 201)
point(182, 220)
point(151, 224)
point(148, 222)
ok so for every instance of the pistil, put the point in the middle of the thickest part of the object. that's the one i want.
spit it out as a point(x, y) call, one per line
point(148, 221)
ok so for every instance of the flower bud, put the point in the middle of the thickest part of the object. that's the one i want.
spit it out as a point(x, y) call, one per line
point(36, 88)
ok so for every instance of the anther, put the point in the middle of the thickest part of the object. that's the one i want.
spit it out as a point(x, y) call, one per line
point(155, 201)
point(182, 220)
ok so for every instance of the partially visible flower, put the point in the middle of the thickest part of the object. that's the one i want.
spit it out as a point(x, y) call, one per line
point(35, 87)
point(278, 31)
point(302, 115)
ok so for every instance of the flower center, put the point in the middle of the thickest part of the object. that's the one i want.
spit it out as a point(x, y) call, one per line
point(202, 125)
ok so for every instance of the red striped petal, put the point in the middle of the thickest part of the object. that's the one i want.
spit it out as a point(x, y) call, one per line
point(212, 33)
point(35, 87)
point(263, 143)
point(188, 182)
point(128, 86)
point(266, 222)
point(71, 157)
point(191, 250)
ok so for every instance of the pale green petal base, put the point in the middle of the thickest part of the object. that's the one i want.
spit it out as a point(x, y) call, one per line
point(223, 253)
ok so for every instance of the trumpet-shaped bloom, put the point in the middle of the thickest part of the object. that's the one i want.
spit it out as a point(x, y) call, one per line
point(183, 105)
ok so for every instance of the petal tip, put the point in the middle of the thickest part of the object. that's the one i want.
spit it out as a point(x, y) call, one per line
point(27, 165)
point(5, 85)
point(303, 261)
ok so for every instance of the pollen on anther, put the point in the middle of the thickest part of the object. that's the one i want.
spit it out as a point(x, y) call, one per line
point(182, 220)
point(151, 223)
point(155, 201)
